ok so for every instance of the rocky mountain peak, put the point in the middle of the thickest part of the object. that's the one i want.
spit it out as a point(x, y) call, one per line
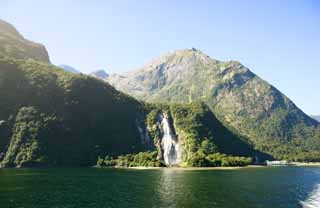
point(100, 73)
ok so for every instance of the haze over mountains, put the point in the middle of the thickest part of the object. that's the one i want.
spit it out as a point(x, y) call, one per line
point(100, 73)
point(188, 106)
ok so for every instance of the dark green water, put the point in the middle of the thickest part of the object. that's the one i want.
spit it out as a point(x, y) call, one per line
point(89, 187)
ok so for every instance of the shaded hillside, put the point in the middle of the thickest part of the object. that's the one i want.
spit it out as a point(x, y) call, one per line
point(55, 117)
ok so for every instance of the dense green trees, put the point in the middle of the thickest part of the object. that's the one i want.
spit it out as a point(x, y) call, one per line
point(218, 160)
point(144, 159)
point(29, 139)
point(74, 118)
point(149, 159)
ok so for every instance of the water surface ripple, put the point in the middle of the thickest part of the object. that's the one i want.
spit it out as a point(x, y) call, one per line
point(97, 188)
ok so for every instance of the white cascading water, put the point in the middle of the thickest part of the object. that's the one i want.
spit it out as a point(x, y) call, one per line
point(169, 144)
point(314, 199)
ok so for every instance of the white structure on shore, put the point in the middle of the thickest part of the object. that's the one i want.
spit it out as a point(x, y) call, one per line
point(275, 163)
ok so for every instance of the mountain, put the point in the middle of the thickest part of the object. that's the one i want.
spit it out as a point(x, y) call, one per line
point(50, 117)
point(200, 115)
point(100, 74)
point(13, 44)
point(241, 100)
point(69, 68)
point(316, 118)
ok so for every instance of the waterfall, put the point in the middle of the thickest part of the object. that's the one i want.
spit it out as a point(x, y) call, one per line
point(169, 143)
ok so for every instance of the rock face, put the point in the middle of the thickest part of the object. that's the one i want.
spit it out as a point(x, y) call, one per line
point(13, 44)
point(100, 74)
point(241, 100)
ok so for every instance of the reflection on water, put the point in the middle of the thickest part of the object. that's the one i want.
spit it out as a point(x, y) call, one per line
point(313, 200)
point(167, 188)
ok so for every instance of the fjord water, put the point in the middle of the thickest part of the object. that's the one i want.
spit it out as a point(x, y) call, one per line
point(89, 187)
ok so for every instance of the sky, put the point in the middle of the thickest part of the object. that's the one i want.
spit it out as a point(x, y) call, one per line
point(277, 40)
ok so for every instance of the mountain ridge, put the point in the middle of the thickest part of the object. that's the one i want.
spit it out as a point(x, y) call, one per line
point(13, 44)
point(242, 101)
point(201, 110)
point(51, 117)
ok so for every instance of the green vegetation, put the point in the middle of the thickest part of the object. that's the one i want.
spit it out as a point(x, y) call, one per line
point(199, 132)
point(197, 124)
point(149, 159)
point(28, 145)
point(65, 118)
point(217, 160)
point(144, 159)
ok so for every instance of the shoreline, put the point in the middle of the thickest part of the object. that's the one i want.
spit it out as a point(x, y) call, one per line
point(305, 164)
point(186, 168)
point(293, 164)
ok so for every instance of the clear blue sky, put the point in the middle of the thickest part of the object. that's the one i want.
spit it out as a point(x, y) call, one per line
point(278, 40)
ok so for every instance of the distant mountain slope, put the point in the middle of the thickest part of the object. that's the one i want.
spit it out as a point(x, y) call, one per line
point(101, 74)
point(241, 100)
point(69, 68)
point(316, 117)
point(13, 44)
